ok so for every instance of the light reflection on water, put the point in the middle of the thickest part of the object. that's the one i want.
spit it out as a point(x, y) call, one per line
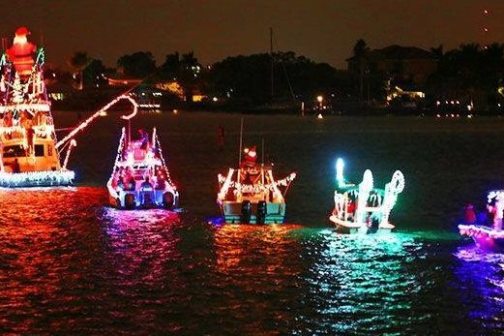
point(140, 242)
point(362, 282)
point(79, 267)
point(481, 276)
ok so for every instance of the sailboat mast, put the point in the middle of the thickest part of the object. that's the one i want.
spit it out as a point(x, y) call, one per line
point(272, 64)
point(241, 143)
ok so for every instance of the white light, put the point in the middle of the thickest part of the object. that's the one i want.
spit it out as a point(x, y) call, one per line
point(33, 179)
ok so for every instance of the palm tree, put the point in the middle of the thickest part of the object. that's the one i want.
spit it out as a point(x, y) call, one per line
point(79, 61)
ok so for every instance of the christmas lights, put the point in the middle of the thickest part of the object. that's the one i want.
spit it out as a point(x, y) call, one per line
point(37, 179)
point(101, 112)
point(257, 188)
point(488, 237)
point(140, 177)
point(262, 199)
point(364, 207)
point(340, 179)
point(27, 133)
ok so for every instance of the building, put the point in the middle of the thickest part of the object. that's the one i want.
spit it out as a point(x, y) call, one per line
point(402, 64)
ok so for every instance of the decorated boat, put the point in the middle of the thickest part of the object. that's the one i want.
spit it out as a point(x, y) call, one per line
point(250, 194)
point(28, 146)
point(140, 178)
point(364, 208)
point(486, 227)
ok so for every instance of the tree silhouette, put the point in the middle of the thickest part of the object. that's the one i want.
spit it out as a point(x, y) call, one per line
point(138, 65)
point(361, 54)
point(79, 61)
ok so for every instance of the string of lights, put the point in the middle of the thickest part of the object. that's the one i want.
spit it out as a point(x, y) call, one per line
point(256, 188)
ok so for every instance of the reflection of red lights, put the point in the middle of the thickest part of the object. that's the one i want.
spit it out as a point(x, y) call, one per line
point(44, 236)
point(255, 249)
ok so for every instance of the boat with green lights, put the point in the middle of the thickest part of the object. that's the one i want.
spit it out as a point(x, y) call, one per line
point(364, 208)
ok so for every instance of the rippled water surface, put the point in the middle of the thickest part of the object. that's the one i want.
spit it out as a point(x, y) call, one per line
point(71, 265)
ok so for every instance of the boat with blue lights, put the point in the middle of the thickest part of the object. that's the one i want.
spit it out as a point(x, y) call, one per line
point(30, 156)
point(250, 194)
point(364, 208)
point(485, 228)
point(140, 178)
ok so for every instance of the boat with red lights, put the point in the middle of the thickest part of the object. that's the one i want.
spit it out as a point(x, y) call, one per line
point(486, 227)
point(364, 208)
point(250, 194)
point(140, 178)
point(29, 152)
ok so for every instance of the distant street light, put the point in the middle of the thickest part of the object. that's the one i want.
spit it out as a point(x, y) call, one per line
point(320, 99)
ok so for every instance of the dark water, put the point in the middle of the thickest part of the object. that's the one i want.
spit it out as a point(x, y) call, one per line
point(71, 265)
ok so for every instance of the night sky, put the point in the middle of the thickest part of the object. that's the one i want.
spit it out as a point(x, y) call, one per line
point(324, 30)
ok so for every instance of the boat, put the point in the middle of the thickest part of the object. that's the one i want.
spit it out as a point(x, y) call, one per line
point(250, 194)
point(364, 208)
point(140, 178)
point(29, 155)
point(486, 228)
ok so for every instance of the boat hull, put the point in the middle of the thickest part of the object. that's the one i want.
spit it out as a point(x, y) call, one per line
point(37, 179)
point(156, 199)
point(485, 237)
point(352, 227)
point(233, 214)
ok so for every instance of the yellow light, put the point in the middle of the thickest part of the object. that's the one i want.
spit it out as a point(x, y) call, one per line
point(320, 99)
point(197, 98)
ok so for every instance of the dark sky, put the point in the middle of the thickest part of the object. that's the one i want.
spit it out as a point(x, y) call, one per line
point(324, 30)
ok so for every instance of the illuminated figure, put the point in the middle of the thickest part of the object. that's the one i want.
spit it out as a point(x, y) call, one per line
point(21, 53)
point(250, 171)
point(363, 208)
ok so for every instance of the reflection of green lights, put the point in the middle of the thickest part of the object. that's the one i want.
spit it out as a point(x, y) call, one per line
point(359, 274)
